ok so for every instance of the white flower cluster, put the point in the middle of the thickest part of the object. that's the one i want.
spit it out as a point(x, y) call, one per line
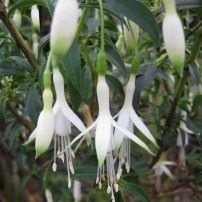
point(112, 139)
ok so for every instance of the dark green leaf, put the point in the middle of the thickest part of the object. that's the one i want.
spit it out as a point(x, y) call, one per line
point(137, 12)
point(86, 85)
point(137, 192)
point(25, 4)
point(8, 68)
point(86, 173)
point(149, 73)
point(22, 63)
point(72, 65)
point(181, 4)
point(114, 57)
point(139, 167)
point(115, 84)
point(195, 74)
point(33, 104)
point(195, 160)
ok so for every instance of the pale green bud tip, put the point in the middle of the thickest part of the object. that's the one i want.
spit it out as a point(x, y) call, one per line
point(101, 63)
point(47, 99)
point(174, 40)
point(64, 26)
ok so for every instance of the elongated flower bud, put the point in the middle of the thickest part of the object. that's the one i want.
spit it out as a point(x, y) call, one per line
point(45, 124)
point(35, 17)
point(17, 18)
point(131, 35)
point(64, 26)
point(173, 35)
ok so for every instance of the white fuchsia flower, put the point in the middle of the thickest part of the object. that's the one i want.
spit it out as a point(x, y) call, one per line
point(64, 26)
point(64, 117)
point(160, 168)
point(44, 130)
point(104, 140)
point(127, 118)
point(173, 35)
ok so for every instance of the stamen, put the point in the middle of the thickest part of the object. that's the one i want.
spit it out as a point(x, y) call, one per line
point(54, 166)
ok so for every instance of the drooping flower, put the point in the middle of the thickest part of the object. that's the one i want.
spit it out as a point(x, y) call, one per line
point(64, 117)
point(173, 35)
point(64, 25)
point(104, 140)
point(43, 134)
point(160, 168)
point(127, 118)
point(183, 140)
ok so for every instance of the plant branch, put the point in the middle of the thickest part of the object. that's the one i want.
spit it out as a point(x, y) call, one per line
point(17, 36)
point(19, 118)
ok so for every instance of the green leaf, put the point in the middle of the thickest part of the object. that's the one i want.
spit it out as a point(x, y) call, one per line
point(136, 191)
point(197, 103)
point(33, 104)
point(22, 63)
point(8, 68)
point(195, 160)
point(182, 4)
point(86, 85)
point(144, 79)
point(86, 173)
point(72, 65)
point(114, 57)
point(22, 4)
point(195, 74)
point(139, 167)
point(137, 12)
point(115, 84)
point(74, 96)
point(87, 169)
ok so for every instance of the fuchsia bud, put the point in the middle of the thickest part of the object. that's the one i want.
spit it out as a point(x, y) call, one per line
point(64, 26)
point(173, 35)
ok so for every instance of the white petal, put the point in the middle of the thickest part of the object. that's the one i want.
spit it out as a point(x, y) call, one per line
point(81, 134)
point(102, 137)
point(45, 130)
point(167, 171)
point(132, 137)
point(31, 137)
point(123, 121)
point(61, 124)
point(56, 107)
point(141, 126)
point(184, 127)
point(168, 163)
point(74, 119)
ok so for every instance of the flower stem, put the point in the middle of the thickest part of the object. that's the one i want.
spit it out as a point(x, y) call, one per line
point(102, 37)
point(170, 6)
point(18, 37)
point(47, 73)
point(82, 19)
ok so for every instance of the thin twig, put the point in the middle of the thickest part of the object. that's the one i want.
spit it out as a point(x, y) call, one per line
point(19, 118)
point(17, 36)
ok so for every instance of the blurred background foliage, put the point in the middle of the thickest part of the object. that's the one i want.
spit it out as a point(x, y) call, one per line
point(162, 98)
